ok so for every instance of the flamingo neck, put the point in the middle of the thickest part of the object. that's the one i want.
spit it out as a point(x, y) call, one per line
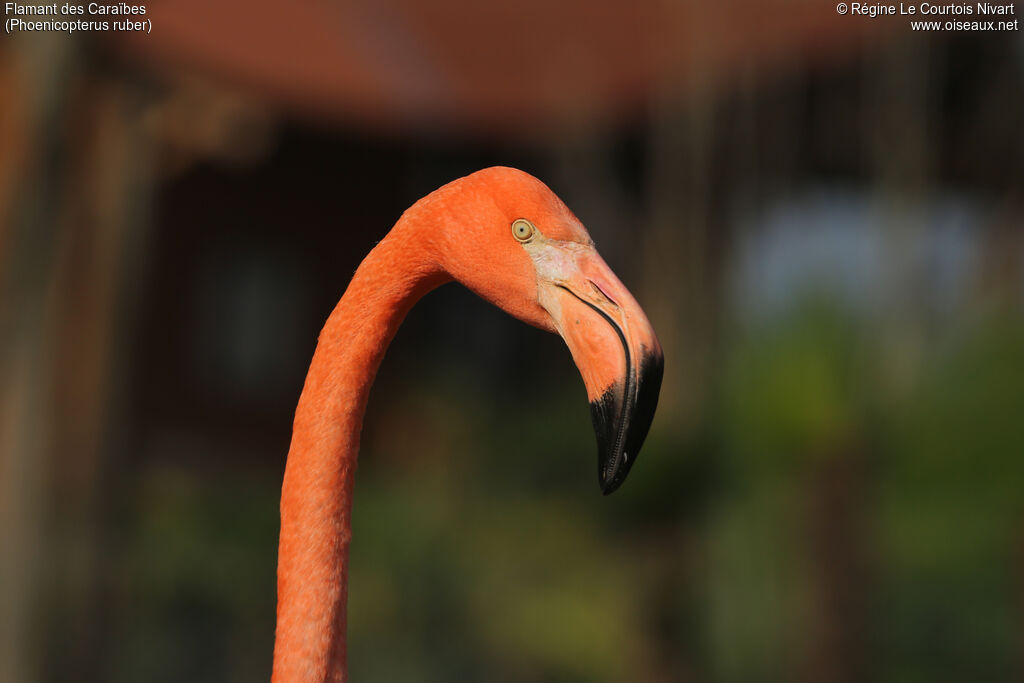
point(316, 497)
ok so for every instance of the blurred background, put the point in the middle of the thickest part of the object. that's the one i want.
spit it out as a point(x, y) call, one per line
point(822, 216)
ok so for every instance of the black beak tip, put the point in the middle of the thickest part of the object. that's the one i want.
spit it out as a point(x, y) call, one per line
point(610, 484)
point(621, 432)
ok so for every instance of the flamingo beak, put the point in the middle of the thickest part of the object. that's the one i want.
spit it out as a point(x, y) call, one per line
point(618, 355)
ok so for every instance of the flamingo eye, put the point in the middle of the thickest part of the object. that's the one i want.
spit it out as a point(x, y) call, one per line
point(522, 229)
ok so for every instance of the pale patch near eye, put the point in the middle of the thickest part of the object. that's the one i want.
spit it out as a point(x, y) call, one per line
point(554, 261)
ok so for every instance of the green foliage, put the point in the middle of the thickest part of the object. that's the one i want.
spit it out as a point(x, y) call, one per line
point(792, 388)
point(193, 603)
point(482, 550)
point(949, 517)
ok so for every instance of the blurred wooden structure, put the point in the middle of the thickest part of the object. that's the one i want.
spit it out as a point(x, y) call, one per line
point(456, 66)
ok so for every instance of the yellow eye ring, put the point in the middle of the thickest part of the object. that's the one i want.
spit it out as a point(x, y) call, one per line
point(523, 229)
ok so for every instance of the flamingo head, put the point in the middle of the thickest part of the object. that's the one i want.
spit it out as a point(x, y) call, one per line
point(517, 245)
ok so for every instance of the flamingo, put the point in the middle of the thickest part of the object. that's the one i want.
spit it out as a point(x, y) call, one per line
point(507, 237)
